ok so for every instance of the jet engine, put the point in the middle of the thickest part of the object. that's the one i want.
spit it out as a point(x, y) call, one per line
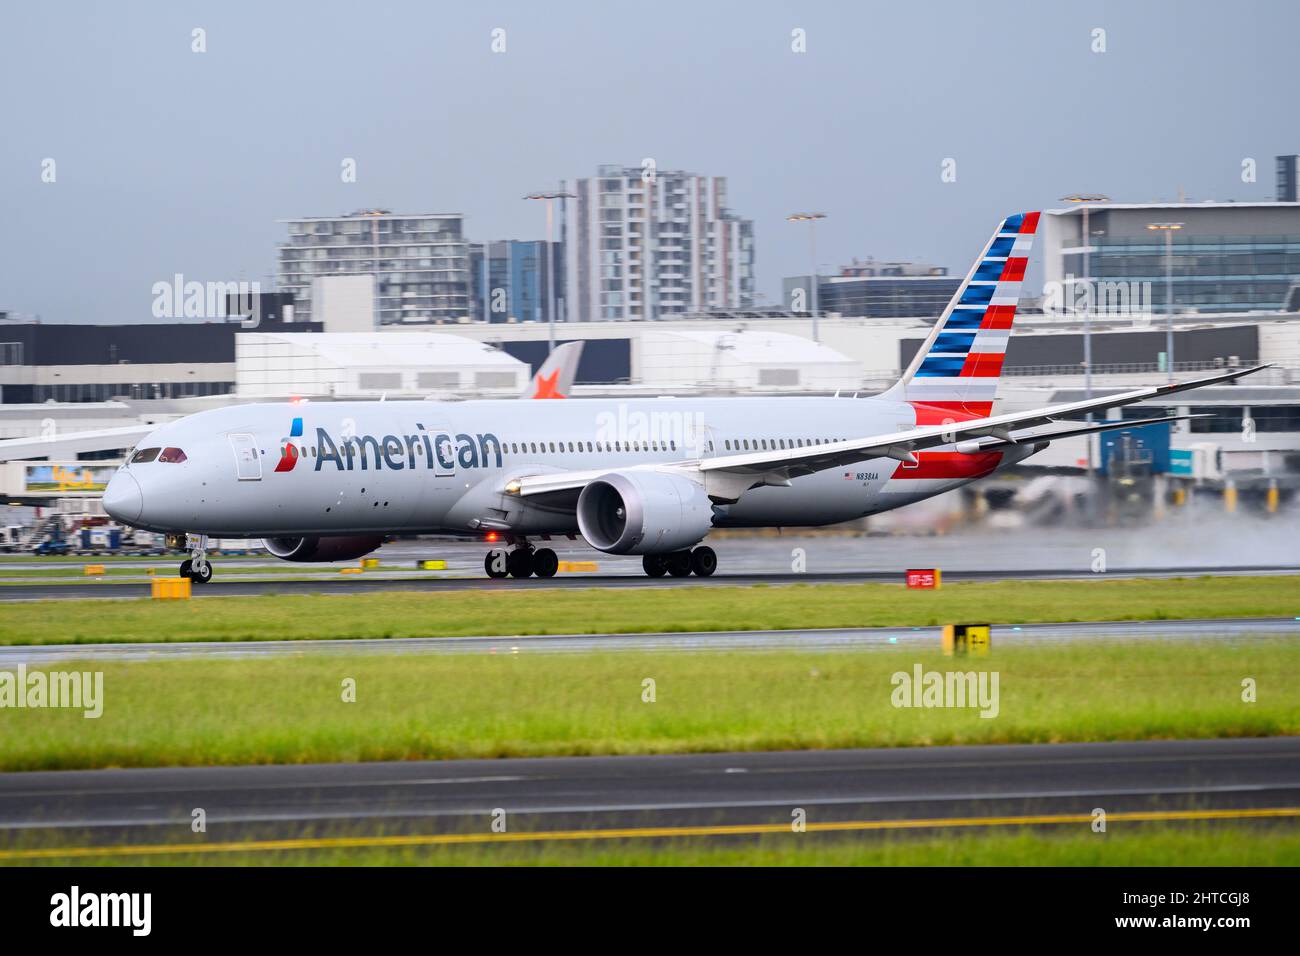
point(322, 549)
point(643, 512)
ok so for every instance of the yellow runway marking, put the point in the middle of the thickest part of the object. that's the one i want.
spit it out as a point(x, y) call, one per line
point(637, 833)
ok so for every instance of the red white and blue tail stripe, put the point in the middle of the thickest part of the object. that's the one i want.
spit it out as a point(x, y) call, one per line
point(955, 373)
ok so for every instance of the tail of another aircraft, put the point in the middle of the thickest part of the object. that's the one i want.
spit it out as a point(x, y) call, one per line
point(956, 371)
point(555, 378)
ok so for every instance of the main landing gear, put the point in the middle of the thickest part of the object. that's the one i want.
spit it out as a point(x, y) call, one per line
point(523, 561)
point(703, 561)
point(197, 567)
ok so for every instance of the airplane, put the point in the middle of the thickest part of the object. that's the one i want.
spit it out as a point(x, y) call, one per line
point(554, 379)
point(649, 477)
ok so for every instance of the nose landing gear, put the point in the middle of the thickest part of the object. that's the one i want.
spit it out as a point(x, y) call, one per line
point(197, 567)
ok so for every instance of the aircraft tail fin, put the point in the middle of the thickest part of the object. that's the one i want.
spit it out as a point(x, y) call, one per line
point(957, 368)
point(555, 378)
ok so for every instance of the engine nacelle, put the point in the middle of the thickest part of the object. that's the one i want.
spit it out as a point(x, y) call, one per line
point(643, 512)
point(322, 549)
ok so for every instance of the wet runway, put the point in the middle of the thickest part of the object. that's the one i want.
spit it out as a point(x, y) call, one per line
point(1170, 550)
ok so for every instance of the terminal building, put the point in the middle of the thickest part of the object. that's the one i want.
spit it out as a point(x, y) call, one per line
point(1222, 257)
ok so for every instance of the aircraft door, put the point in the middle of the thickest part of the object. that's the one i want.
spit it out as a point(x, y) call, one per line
point(248, 461)
point(444, 449)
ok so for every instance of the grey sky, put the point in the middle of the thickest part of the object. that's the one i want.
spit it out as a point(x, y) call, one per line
point(170, 161)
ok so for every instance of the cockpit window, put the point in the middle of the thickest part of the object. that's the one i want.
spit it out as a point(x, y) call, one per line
point(172, 456)
point(144, 455)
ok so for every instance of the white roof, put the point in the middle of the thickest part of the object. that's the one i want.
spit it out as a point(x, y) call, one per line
point(753, 346)
point(394, 349)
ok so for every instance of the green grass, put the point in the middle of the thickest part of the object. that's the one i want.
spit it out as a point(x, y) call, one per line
point(1219, 845)
point(687, 608)
point(290, 710)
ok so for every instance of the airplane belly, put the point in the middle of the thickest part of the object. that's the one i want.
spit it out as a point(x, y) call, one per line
point(825, 498)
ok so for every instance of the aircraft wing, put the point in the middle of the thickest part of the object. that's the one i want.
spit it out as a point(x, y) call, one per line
point(1012, 428)
point(1069, 429)
point(71, 443)
point(728, 476)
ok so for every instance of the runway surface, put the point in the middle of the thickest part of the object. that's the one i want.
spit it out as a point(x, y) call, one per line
point(814, 639)
point(685, 795)
point(354, 584)
point(1180, 546)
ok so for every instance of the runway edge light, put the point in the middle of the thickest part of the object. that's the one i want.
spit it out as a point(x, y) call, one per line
point(963, 639)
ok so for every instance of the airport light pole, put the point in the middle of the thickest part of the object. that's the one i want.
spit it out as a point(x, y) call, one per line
point(550, 198)
point(1085, 200)
point(1168, 228)
point(811, 218)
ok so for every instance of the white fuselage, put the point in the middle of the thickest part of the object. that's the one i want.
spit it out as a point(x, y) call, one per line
point(385, 467)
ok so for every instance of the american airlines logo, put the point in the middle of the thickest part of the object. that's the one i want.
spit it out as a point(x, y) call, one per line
point(442, 451)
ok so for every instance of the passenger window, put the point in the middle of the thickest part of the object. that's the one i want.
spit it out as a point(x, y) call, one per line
point(175, 455)
point(145, 455)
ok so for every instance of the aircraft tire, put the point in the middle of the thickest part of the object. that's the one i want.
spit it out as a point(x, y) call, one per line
point(704, 561)
point(519, 563)
point(679, 563)
point(492, 566)
point(545, 563)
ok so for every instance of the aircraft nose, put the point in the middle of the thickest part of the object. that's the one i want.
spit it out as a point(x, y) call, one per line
point(122, 497)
